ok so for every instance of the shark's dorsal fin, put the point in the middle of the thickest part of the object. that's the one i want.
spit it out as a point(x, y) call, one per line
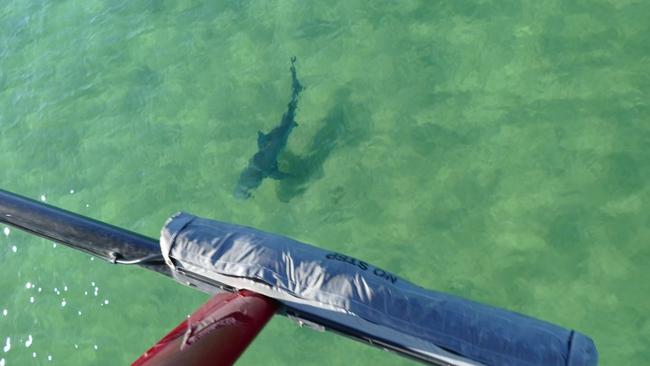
point(277, 174)
point(262, 139)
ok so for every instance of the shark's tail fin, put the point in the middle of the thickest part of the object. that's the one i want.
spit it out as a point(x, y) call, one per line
point(295, 84)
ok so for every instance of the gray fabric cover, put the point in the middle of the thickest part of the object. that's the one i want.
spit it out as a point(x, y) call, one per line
point(342, 289)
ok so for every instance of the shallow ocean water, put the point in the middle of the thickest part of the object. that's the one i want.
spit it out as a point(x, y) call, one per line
point(494, 150)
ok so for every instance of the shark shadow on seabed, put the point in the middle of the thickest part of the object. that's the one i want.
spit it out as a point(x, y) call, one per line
point(342, 127)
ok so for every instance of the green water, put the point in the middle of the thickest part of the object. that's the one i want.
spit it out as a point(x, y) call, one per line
point(494, 150)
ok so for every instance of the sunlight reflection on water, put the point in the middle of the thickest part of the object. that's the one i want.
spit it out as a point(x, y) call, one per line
point(67, 295)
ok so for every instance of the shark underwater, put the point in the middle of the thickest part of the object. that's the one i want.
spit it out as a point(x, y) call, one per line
point(264, 164)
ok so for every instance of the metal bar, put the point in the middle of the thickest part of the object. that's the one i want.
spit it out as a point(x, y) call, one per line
point(98, 238)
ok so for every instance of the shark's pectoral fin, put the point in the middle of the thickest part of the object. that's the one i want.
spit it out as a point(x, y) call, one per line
point(262, 139)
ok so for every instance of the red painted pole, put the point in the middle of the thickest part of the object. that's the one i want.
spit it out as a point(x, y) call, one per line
point(216, 334)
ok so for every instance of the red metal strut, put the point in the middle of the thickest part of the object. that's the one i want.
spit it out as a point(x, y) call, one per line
point(214, 335)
